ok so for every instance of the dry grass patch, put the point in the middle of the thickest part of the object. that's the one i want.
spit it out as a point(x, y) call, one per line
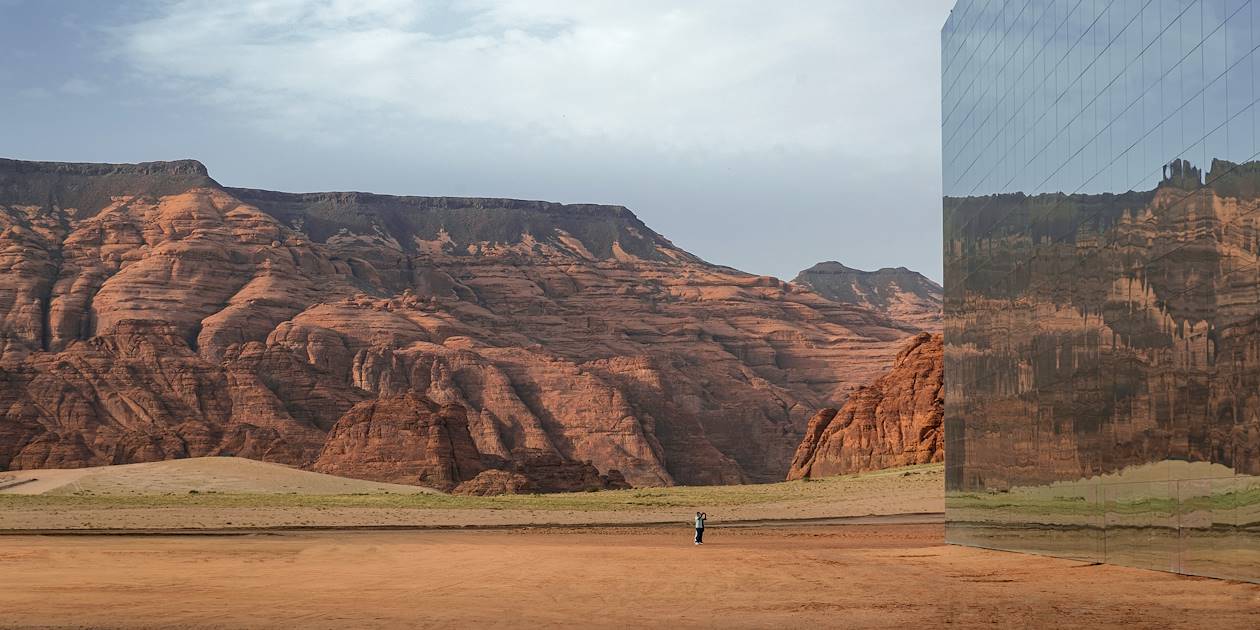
point(839, 488)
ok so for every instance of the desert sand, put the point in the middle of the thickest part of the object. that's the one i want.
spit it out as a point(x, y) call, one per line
point(231, 544)
point(232, 493)
point(799, 577)
point(202, 474)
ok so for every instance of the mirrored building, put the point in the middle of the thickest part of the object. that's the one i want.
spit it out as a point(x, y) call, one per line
point(1102, 280)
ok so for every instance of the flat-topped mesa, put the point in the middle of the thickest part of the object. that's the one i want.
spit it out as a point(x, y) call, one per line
point(412, 224)
point(147, 312)
point(171, 168)
point(469, 225)
point(86, 188)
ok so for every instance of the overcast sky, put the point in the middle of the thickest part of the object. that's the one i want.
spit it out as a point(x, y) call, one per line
point(762, 135)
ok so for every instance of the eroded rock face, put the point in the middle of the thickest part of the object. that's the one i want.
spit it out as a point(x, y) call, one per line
point(146, 312)
point(404, 439)
point(534, 470)
point(548, 472)
point(902, 294)
point(896, 421)
point(495, 481)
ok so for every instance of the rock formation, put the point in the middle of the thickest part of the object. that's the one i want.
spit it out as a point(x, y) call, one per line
point(147, 312)
point(896, 421)
point(536, 470)
point(402, 439)
point(496, 481)
point(906, 296)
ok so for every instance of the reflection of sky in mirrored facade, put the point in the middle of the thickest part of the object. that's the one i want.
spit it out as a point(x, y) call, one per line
point(1093, 96)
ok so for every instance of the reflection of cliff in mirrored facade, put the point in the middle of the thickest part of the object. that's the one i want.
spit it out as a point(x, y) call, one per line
point(1103, 372)
point(1102, 280)
point(1089, 333)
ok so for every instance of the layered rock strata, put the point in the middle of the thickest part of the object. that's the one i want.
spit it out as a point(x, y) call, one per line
point(147, 312)
point(402, 439)
point(896, 421)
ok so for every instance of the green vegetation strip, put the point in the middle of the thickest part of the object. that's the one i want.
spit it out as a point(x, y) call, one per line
point(1074, 505)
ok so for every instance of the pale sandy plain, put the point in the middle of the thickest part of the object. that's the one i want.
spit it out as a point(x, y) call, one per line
point(238, 553)
point(225, 493)
point(203, 474)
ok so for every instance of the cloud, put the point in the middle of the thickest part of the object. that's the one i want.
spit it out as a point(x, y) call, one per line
point(33, 93)
point(76, 86)
point(706, 77)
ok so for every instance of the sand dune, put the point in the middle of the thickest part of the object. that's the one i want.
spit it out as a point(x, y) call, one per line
point(232, 475)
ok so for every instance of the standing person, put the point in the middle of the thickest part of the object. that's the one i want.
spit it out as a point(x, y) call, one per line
point(700, 516)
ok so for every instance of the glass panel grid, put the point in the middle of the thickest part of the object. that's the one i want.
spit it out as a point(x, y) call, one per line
point(1102, 239)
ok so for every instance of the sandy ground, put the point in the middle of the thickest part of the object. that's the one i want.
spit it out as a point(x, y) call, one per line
point(203, 474)
point(799, 577)
point(228, 519)
point(251, 554)
point(887, 492)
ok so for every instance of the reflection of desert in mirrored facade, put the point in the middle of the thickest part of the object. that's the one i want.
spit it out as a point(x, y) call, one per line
point(1102, 282)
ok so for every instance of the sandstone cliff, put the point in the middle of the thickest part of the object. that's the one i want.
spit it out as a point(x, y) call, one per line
point(903, 295)
point(147, 312)
point(402, 439)
point(896, 421)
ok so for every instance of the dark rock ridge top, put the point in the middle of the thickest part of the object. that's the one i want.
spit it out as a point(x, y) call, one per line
point(96, 169)
point(88, 188)
point(457, 222)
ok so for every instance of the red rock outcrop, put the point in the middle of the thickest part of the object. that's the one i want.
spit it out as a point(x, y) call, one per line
point(897, 421)
point(146, 312)
point(402, 439)
point(495, 481)
point(541, 471)
point(548, 472)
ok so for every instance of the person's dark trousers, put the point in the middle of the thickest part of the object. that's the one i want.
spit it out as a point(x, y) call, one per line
point(699, 534)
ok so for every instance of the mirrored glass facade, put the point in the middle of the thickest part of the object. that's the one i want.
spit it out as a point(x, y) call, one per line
point(1102, 280)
